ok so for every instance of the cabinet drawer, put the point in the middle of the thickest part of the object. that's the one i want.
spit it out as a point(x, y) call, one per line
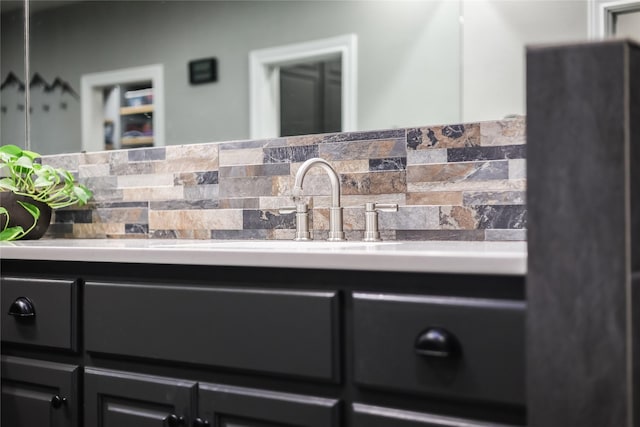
point(273, 331)
point(53, 323)
point(454, 347)
point(376, 416)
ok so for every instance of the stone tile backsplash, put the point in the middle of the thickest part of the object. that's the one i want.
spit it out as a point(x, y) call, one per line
point(456, 182)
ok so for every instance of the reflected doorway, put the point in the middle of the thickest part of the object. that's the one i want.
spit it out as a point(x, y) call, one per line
point(123, 108)
point(311, 98)
point(265, 68)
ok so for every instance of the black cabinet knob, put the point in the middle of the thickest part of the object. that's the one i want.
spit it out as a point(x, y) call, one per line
point(174, 421)
point(199, 422)
point(57, 401)
point(437, 342)
point(22, 308)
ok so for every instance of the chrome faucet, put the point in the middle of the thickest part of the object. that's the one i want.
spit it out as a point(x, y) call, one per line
point(335, 211)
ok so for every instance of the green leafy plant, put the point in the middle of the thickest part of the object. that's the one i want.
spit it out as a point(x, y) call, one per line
point(24, 175)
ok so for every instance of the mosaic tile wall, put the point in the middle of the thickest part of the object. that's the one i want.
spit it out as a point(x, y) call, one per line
point(455, 182)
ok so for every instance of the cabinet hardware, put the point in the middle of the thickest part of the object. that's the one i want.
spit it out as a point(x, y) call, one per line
point(199, 422)
point(57, 401)
point(437, 342)
point(173, 420)
point(22, 307)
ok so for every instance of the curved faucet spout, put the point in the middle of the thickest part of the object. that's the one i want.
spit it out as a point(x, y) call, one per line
point(333, 177)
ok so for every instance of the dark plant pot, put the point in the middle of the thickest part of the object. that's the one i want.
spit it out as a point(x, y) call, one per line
point(19, 216)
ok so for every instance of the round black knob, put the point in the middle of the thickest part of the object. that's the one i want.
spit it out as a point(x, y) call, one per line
point(22, 307)
point(199, 422)
point(57, 401)
point(437, 342)
point(174, 421)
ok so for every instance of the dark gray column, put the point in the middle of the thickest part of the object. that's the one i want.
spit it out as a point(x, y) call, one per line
point(583, 150)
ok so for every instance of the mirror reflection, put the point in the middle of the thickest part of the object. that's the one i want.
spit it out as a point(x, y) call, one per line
point(117, 74)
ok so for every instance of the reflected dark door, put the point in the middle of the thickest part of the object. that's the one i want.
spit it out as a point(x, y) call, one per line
point(311, 98)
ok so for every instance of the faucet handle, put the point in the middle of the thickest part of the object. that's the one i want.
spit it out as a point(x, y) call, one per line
point(287, 210)
point(302, 219)
point(380, 207)
point(371, 232)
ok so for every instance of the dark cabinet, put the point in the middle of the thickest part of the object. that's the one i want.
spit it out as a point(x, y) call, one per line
point(39, 312)
point(240, 328)
point(247, 407)
point(124, 399)
point(205, 346)
point(38, 393)
point(467, 348)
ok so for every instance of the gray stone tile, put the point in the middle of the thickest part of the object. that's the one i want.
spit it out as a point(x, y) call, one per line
point(245, 187)
point(387, 164)
point(471, 198)
point(184, 204)
point(506, 235)
point(290, 154)
point(252, 219)
point(465, 235)
point(252, 234)
point(376, 149)
point(146, 154)
point(201, 192)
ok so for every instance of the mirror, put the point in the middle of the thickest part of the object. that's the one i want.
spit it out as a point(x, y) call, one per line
point(12, 89)
point(404, 63)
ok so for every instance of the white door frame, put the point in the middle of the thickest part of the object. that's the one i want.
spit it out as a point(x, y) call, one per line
point(264, 80)
point(607, 12)
point(91, 96)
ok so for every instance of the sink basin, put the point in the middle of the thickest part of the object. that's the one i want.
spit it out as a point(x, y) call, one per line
point(279, 244)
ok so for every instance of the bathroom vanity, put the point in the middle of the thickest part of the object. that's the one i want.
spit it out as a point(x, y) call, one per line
point(262, 334)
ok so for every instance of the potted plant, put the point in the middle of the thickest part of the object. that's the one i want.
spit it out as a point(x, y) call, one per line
point(29, 191)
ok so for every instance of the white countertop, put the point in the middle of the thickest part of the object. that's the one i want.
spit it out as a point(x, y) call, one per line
point(504, 258)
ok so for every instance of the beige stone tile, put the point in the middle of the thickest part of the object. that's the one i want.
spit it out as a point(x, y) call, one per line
point(435, 198)
point(205, 219)
point(493, 185)
point(282, 185)
point(503, 132)
point(92, 170)
point(155, 180)
point(252, 156)
point(189, 158)
point(96, 231)
point(275, 202)
point(359, 200)
point(458, 218)
point(95, 158)
point(152, 194)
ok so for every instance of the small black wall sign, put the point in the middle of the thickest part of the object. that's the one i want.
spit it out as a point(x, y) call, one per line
point(203, 71)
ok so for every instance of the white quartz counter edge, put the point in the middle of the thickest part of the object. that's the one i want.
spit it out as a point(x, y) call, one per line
point(503, 258)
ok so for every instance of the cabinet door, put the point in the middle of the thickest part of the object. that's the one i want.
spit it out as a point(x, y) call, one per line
point(123, 399)
point(38, 393)
point(376, 416)
point(227, 406)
